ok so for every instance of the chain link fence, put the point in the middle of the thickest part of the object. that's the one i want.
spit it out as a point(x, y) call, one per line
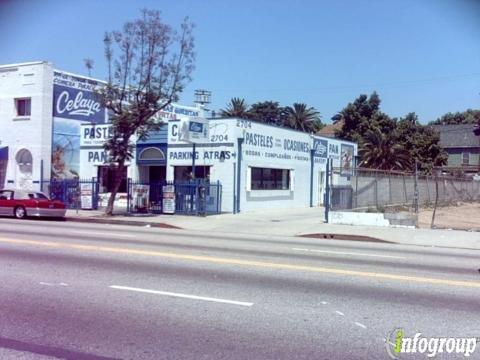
point(380, 189)
point(392, 191)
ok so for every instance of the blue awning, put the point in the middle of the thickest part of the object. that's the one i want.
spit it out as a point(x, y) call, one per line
point(4, 153)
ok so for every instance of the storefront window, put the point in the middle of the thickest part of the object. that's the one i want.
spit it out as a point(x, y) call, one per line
point(270, 179)
point(184, 173)
point(106, 177)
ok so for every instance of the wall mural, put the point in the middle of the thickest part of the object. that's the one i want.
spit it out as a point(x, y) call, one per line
point(74, 103)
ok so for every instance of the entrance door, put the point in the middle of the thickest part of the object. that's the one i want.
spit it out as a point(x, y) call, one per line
point(321, 187)
point(3, 173)
point(157, 174)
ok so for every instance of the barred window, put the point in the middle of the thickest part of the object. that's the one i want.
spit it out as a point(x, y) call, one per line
point(270, 179)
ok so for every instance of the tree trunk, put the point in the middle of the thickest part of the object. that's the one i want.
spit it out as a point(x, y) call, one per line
point(119, 170)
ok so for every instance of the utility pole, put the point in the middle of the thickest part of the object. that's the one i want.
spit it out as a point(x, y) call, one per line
point(327, 190)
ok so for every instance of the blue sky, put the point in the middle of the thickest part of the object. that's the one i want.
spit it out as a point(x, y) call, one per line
point(419, 55)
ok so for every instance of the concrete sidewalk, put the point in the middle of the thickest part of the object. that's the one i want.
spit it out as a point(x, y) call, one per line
point(291, 222)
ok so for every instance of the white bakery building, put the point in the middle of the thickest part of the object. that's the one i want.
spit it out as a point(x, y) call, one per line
point(52, 126)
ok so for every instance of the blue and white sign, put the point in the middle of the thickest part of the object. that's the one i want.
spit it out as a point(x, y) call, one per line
point(320, 147)
point(195, 130)
point(76, 104)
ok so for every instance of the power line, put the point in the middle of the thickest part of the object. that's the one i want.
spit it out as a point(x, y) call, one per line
point(354, 87)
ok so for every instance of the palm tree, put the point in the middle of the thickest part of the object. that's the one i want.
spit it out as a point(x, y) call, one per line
point(236, 108)
point(379, 151)
point(303, 118)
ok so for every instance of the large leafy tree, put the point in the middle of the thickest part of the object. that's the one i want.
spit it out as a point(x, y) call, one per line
point(363, 121)
point(303, 118)
point(268, 112)
point(380, 151)
point(149, 64)
point(422, 143)
point(236, 108)
point(361, 115)
point(468, 116)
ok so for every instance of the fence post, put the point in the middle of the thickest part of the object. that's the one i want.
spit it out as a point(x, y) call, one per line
point(444, 191)
point(405, 188)
point(128, 195)
point(375, 190)
point(428, 190)
point(432, 224)
point(355, 197)
point(390, 189)
point(327, 191)
point(415, 191)
point(218, 195)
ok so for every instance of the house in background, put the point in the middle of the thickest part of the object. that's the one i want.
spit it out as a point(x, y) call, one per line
point(330, 129)
point(462, 146)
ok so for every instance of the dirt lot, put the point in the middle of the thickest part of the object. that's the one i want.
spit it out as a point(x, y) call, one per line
point(465, 216)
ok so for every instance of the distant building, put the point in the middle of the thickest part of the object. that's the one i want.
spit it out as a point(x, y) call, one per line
point(329, 130)
point(462, 146)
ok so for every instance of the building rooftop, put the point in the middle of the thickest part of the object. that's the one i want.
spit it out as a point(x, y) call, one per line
point(329, 130)
point(454, 136)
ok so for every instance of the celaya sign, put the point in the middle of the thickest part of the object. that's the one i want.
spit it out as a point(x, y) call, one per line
point(77, 104)
point(74, 98)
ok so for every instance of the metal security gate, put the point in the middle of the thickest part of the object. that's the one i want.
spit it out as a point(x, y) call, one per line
point(198, 197)
point(74, 193)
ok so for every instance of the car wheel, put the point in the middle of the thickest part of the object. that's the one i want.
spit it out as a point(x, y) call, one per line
point(20, 212)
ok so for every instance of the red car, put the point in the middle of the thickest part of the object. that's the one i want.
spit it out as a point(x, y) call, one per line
point(23, 203)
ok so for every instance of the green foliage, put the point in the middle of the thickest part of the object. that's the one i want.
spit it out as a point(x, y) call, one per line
point(466, 117)
point(422, 142)
point(298, 117)
point(302, 118)
point(236, 108)
point(148, 66)
point(361, 115)
point(268, 112)
point(386, 143)
point(380, 151)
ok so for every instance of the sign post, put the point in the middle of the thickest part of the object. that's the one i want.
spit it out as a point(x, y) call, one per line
point(194, 130)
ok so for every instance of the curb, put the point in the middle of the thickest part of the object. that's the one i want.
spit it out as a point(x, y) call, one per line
point(122, 222)
point(332, 236)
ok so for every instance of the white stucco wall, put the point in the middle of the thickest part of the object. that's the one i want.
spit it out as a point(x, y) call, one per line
point(34, 132)
point(263, 146)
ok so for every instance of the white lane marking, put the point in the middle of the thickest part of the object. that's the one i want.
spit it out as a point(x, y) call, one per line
point(185, 296)
point(340, 313)
point(349, 253)
point(52, 284)
point(324, 303)
point(360, 324)
point(102, 233)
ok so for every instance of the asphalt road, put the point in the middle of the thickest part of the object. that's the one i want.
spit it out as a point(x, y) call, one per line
point(87, 291)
